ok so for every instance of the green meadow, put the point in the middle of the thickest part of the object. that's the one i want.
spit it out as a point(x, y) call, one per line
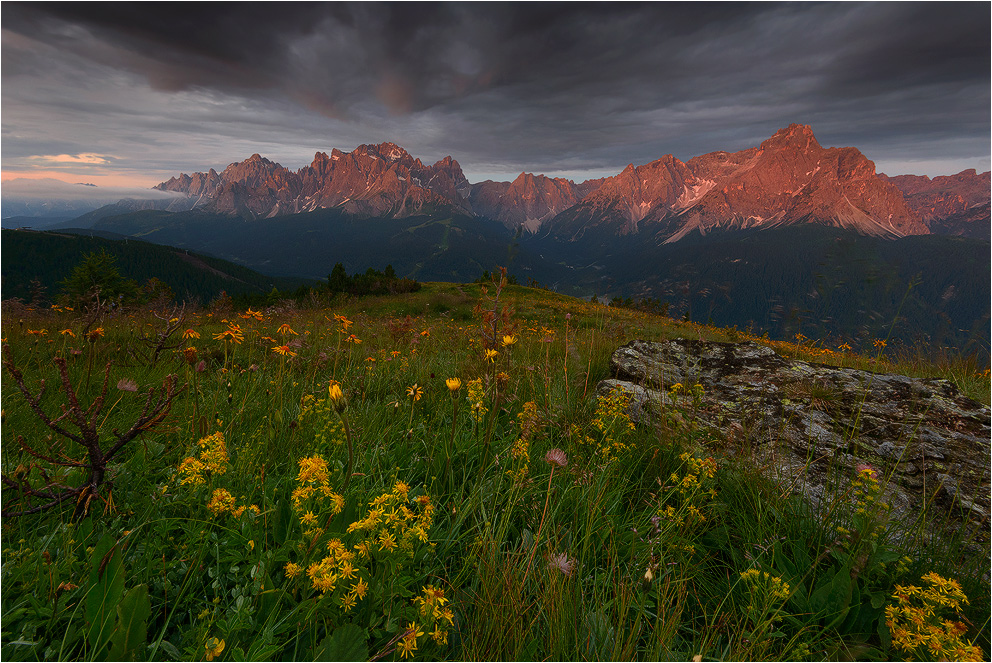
point(430, 476)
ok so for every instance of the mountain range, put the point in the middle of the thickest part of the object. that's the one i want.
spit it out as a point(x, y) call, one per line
point(789, 179)
point(785, 237)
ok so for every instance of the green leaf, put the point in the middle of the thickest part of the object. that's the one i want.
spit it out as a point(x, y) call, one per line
point(282, 522)
point(832, 600)
point(106, 584)
point(132, 624)
point(877, 600)
point(347, 643)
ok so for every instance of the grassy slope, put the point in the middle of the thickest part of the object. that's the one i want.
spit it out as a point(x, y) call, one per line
point(547, 564)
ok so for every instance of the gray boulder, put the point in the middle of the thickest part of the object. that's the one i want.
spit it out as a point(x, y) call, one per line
point(809, 426)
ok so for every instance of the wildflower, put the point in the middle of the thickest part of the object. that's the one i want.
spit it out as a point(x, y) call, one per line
point(94, 334)
point(439, 636)
point(345, 322)
point(221, 501)
point(232, 334)
point(68, 332)
point(509, 340)
point(285, 330)
point(348, 602)
point(353, 339)
point(247, 315)
point(359, 588)
point(336, 397)
point(491, 355)
point(43, 332)
point(556, 457)
point(454, 384)
point(562, 562)
point(283, 350)
point(190, 355)
point(293, 570)
point(190, 333)
point(214, 647)
point(415, 392)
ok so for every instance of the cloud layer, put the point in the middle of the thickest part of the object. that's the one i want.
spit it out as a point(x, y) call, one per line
point(576, 89)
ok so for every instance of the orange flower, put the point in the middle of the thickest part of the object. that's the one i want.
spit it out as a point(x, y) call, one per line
point(93, 334)
point(190, 333)
point(283, 350)
point(233, 334)
point(285, 329)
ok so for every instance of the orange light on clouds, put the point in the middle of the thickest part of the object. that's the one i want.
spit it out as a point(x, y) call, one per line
point(89, 158)
point(70, 176)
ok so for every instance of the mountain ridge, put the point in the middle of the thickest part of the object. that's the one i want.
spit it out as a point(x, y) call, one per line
point(788, 179)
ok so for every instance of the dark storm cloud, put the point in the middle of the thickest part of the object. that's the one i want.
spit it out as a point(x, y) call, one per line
point(541, 87)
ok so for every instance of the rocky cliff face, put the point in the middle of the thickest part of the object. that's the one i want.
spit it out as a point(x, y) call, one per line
point(789, 179)
point(949, 204)
point(529, 200)
point(372, 180)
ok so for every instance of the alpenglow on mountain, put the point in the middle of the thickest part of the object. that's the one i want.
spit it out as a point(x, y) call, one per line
point(789, 179)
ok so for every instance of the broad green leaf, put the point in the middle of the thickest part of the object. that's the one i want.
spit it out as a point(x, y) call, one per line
point(346, 643)
point(106, 584)
point(132, 624)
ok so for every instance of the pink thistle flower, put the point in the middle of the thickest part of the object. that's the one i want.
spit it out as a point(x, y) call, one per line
point(556, 457)
point(127, 384)
point(562, 562)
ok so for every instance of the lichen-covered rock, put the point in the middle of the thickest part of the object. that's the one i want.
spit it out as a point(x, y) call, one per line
point(810, 425)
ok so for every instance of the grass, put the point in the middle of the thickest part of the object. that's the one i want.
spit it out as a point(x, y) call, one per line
point(513, 518)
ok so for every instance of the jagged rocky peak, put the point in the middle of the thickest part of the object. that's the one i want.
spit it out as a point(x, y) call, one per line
point(796, 136)
point(789, 179)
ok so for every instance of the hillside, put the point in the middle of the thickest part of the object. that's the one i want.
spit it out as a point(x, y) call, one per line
point(50, 257)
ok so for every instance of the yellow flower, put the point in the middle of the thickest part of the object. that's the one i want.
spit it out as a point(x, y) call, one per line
point(283, 350)
point(68, 332)
point(414, 392)
point(454, 384)
point(233, 334)
point(285, 329)
point(214, 647)
point(336, 396)
point(509, 340)
point(359, 588)
point(94, 334)
point(491, 355)
point(293, 570)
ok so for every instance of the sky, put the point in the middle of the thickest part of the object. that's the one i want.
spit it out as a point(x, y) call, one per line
point(131, 94)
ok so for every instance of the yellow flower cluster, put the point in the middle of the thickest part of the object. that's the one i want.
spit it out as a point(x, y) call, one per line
point(337, 566)
point(610, 424)
point(222, 501)
point(917, 626)
point(694, 393)
point(476, 396)
point(520, 451)
point(697, 470)
point(395, 522)
point(331, 430)
point(433, 613)
point(211, 457)
point(773, 586)
point(314, 493)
